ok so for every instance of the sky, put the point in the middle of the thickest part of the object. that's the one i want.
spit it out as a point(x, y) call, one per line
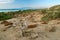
point(9, 4)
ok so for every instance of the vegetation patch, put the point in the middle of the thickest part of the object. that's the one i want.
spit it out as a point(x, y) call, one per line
point(52, 13)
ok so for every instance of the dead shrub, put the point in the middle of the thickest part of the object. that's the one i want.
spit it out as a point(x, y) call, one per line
point(32, 26)
point(58, 23)
point(26, 33)
point(53, 29)
point(44, 23)
point(6, 23)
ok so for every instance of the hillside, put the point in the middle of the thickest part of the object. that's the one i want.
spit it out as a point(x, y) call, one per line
point(39, 24)
point(56, 7)
point(52, 13)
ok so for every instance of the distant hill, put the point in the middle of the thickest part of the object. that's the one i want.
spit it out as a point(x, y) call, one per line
point(56, 7)
point(23, 8)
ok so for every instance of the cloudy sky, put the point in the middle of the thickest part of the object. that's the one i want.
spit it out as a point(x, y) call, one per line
point(7, 4)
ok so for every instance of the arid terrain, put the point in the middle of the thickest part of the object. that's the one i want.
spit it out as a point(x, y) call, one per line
point(41, 24)
point(29, 27)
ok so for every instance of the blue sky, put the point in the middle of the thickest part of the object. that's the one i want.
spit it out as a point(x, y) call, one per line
point(6, 4)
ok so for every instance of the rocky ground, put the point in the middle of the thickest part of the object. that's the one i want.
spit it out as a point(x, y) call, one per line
point(29, 27)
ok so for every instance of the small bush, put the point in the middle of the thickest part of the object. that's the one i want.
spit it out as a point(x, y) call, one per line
point(5, 17)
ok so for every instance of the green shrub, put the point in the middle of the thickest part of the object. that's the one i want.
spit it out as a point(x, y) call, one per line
point(5, 17)
point(51, 16)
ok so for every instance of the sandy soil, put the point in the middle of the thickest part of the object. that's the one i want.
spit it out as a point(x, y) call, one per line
point(20, 31)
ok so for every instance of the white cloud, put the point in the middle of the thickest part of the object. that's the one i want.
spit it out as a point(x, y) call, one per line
point(6, 1)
